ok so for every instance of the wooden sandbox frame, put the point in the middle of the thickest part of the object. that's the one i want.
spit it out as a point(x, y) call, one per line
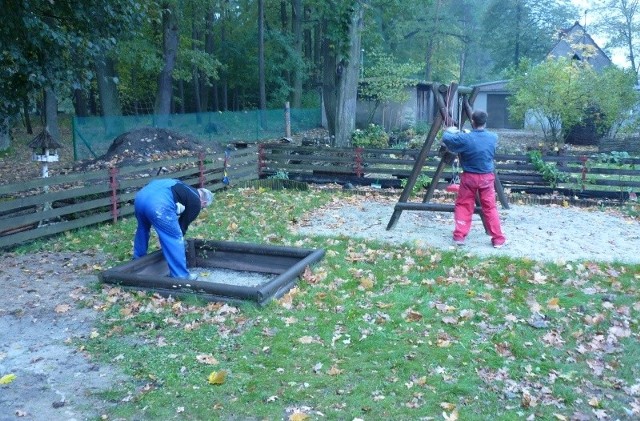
point(149, 273)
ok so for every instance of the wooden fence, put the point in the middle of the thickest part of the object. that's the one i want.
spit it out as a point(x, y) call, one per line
point(46, 206)
point(582, 176)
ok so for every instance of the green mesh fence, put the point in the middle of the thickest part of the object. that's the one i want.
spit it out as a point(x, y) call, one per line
point(92, 136)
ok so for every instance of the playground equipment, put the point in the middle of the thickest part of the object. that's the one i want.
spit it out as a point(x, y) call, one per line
point(445, 97)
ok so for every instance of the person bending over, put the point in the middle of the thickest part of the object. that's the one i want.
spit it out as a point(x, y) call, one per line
point(476, 150)
point(169, 206)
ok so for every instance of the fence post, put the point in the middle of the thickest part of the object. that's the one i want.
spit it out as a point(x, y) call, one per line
point(358, 161)
point(201, 168)
point(113, 183)
point(287, 120)
point(584, 171)
point(261, 158)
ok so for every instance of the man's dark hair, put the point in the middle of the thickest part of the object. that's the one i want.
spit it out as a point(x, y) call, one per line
point(479, 118)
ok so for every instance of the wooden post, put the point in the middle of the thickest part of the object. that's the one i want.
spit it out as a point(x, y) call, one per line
point(358, 162)
point(201, 168)
point(287, 120)
point(113, 183)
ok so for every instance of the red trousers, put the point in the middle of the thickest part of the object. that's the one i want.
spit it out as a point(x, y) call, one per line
point(483, 185)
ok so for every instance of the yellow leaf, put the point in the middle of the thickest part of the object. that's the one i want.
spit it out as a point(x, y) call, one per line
point(366, 283)
point(595, 402)
point(7, 378)
point(94, 334)
point(217, 377)
point(298, 416)
point(553, 304)
point(334, 371)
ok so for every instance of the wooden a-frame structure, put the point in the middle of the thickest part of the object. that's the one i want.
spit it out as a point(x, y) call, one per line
point(444, 97)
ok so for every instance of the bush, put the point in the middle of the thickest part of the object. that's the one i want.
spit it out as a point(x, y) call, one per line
point(373, 137)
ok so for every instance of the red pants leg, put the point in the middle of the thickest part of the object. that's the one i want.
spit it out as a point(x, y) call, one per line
point(465, 205)
point(487, 193)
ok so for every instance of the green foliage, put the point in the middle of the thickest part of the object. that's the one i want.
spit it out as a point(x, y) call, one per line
point(422, 182)
point(561, 93)
point(280, 175)
point(555, 92)
point(549, 171)
point(387, 80)
point(615, 96)
point(373, 136)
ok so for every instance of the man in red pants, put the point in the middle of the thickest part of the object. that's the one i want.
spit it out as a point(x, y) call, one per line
point(476, 150)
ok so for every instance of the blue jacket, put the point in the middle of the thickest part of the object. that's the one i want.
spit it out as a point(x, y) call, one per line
point(477, 149)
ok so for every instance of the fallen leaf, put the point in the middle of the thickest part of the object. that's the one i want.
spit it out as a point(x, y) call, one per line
point(553, 304)
point(206, 359)
point(217, 377)
point(7, 378)
point(452, 416)
point(298, 416)
point(62, 308)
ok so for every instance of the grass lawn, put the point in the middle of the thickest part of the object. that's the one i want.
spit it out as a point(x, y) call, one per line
point(372, 331)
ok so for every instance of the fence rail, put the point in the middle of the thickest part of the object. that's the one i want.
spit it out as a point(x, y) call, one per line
point(47, 206)
point(581, 175)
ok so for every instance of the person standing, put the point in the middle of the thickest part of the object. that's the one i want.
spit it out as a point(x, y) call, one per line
point(476, 150)
point(169, 206)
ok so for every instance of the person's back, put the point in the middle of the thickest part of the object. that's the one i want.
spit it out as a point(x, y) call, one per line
point(476, 149)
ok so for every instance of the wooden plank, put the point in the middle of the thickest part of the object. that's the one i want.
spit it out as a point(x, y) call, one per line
point(53, 197)
point(14, 239)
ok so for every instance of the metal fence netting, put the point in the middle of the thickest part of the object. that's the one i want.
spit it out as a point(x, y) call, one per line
point(92, 136)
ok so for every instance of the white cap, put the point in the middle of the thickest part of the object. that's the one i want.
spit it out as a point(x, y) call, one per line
point(206, 196)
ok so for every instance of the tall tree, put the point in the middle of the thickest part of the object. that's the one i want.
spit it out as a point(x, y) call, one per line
point(170, 52)
point(517, 29)
point(42, 44)
point(341, 25)
point(620, 21)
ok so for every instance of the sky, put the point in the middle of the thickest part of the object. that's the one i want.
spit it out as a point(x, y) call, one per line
point(617, 55)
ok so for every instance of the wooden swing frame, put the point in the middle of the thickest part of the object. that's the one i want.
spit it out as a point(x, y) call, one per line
point(444, 107)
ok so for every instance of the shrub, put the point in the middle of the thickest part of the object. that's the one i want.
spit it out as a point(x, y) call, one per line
point(373, 136)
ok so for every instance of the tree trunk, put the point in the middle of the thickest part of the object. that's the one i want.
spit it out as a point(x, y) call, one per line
point(209, 45)
point(27, 115)
point(196, 76)
point(261, 75)
point(340, 83)
point(5, 132)
point(80, 104)
point(109, 99)
point(431, 46)
point(51, 113)
point(296, 21)
point(170, 51)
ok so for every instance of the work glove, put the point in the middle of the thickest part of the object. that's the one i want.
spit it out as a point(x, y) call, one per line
point(179, 208)
point(452, 129)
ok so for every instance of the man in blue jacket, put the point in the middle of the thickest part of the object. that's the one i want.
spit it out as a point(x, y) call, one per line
point(476, 150)
point(169, 206)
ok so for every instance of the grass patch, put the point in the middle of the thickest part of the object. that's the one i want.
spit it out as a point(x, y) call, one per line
point(373, 331)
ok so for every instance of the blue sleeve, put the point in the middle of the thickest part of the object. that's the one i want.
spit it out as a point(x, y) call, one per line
point(455, 142)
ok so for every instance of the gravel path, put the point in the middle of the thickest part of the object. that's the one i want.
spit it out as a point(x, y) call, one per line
point(548, 233)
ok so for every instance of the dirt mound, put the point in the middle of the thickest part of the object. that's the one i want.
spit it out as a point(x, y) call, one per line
point(148, 144)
